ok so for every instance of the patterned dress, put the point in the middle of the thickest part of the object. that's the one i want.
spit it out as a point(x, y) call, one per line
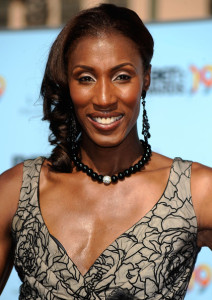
point(153, 259)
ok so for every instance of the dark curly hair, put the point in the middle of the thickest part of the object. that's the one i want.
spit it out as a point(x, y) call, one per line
point(58, 107)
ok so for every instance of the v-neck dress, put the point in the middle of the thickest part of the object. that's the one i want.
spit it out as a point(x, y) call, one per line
point(153, 259)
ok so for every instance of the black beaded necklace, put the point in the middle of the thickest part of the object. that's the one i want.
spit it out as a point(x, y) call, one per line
point(106, 179)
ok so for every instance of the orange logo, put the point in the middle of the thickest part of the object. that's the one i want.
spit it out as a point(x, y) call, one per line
point(201, 76)
point(202, 276)
point(2, 85)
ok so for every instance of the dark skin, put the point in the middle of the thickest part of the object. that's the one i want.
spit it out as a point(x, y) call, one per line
point(106, 79)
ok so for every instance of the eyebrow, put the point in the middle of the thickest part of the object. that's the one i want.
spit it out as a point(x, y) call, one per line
point(113, 69)
point(83, 67)
point(123, 65)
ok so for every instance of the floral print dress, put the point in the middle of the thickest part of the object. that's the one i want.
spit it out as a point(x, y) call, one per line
point(153, 259)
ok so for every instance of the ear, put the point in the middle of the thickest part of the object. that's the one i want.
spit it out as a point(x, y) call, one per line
point(147, 78)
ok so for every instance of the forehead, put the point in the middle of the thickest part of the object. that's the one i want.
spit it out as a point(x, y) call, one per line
point(105, 49)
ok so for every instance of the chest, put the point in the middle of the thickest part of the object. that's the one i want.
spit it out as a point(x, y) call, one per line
point(87, 219)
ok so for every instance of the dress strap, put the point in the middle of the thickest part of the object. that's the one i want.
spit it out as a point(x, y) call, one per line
point(29, 191)
point(31, 170)
point(180, 177)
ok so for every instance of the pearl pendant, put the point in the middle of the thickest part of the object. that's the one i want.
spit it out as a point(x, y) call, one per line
point(106, 179)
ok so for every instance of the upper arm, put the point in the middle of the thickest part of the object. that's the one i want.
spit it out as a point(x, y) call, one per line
point(201, 189)
point(10, 184)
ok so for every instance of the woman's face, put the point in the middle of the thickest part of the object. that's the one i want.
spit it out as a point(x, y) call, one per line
point(106, 79)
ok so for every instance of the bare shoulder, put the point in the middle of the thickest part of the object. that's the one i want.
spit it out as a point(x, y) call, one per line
point(12, 178)
point(201, 172)
point(10, 185)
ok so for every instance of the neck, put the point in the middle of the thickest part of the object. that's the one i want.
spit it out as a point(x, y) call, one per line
point(111, 160)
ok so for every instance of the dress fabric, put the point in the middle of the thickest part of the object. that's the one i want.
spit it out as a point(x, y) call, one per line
point(153, 259)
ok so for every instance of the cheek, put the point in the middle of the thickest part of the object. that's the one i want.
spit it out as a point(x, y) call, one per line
point(131, 97)
point(78, 102)
point(136, 110)
point(78, 95)
point(133, 102)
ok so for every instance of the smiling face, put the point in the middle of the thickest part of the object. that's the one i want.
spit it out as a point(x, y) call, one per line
point(106, 79)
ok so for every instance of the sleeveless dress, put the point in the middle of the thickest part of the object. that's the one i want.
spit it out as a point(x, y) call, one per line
point(152, 260)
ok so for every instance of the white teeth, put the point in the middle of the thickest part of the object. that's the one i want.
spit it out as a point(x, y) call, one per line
point(106, 121)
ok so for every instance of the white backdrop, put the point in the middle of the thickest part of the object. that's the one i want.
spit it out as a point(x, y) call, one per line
point(179, 106)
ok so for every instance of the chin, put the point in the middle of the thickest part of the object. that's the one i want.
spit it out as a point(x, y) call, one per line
point(107, 141)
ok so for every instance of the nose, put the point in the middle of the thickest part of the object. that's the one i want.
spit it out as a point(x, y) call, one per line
point(104, 97)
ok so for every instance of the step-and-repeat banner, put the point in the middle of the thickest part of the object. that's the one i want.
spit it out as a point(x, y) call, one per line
point(179, 105)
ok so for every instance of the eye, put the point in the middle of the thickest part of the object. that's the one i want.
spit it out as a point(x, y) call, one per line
point(123, 77)
point(85, 79)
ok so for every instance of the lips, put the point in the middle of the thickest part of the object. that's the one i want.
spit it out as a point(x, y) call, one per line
point(104, 122)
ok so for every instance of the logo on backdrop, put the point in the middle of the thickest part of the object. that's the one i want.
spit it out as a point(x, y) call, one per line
point(2, 85)
point(167, 81)
point(201, 76)
point(175, 80)
point(201, 278)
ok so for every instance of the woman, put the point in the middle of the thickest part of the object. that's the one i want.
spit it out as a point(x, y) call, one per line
point(102, 213)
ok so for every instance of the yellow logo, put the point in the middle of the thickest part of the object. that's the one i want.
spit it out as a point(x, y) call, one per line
point(2, 85)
